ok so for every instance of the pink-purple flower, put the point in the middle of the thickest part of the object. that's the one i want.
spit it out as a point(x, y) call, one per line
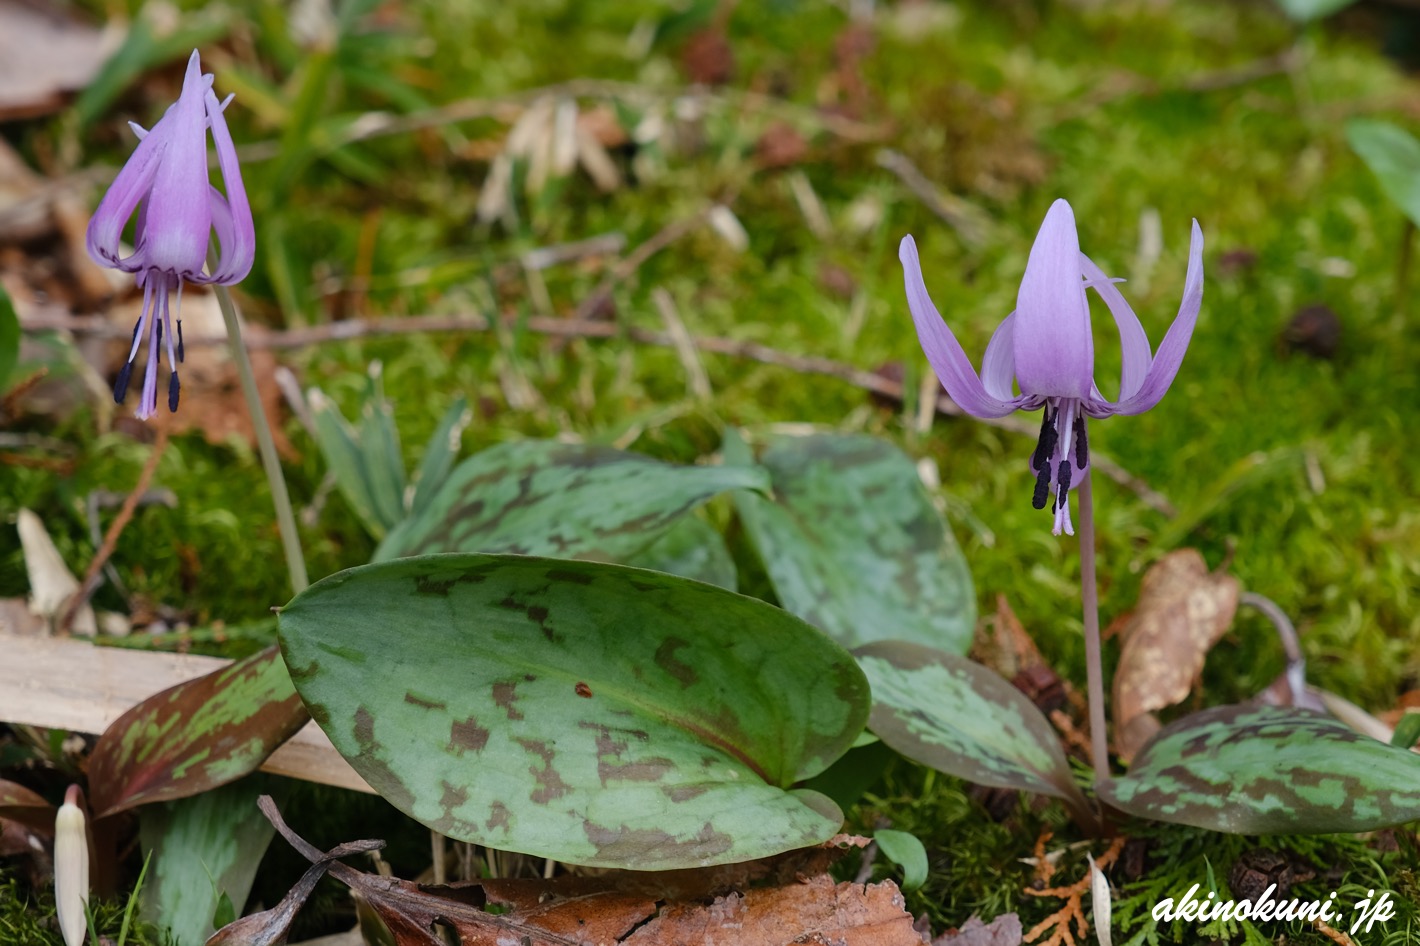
point(165, 183)
point(1046, 348)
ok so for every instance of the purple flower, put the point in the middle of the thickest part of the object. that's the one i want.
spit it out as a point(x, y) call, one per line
point(165, 182)
point(1046, 347)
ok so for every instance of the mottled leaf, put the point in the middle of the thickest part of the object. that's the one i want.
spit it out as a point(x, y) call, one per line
point(202, 848)
point(854, 545)
point(691, 548)
point(956, 716)
point(1393, 155)
point(20, 804)
point(592, 713)
point(1269, 769)
point(195, 736)
point(539, 497)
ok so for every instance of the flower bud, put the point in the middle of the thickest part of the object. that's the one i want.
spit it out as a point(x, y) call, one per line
point(71, 869)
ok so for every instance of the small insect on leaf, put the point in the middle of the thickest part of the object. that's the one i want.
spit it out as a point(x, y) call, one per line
point(583, 690)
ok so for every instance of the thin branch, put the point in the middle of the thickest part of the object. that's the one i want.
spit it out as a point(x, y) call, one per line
point(597, 299)
point(91, 575)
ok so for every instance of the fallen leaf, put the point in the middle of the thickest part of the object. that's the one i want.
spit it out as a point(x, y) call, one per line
point(708, 58)
point(44, 55)
point(1005, 930)
point(1183, 610)
point(773, 901)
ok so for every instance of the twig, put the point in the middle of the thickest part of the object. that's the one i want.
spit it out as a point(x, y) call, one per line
point(970, 221)
point(125, 514)
point(356, 329)
point(696, 380)
point(671, 232)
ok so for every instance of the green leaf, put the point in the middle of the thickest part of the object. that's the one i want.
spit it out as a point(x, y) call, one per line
point(539, 497)
point(9, 338)
point(1304, 11)
point(853, 543)
point(592, 713)
point(958, 717)
point(1268, 769)
point(691, 548)
point(907, 852)
point(205, 849)
point(382, 458)
point(195, 736)
point(1407, 731)
point(1393, 155)
point(145, 47)
point(440, 453)
point(345, 457)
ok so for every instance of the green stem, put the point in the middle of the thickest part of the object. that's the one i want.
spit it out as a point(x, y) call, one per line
point(1402, 268)
point(1094, 669)
point(285, 519)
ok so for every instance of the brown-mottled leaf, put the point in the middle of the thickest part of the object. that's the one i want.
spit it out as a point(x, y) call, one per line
point(1266, 769)
point(593, 713)
point(195, 736)
point(538, 497)
point(1183, 610)
point(853, 543)
point(958, 717)
point(20, 804)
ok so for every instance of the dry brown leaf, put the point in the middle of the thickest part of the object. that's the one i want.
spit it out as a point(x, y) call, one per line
point(1183, 610)
point(612, 907)
point(44, 54)
point(1005, 930)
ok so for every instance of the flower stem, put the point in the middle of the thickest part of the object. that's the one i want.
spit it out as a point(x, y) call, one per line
point(285, 519)
point(1089, 594)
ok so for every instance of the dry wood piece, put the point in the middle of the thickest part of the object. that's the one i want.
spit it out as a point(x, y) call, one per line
point(59, 683)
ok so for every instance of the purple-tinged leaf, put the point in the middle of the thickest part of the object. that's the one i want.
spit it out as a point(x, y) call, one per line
point(195, 736)
point(593, 713)
point(1268, 769)
point(20, 804)
point(958, 717)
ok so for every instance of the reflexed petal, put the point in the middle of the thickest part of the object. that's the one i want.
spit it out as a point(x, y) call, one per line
point(238, 250)
point(132, 184)
point(1132, 339)
point(943, 350)
point(1171, 350)
point(179, 221)
point(1054, 350)
point(998, 365)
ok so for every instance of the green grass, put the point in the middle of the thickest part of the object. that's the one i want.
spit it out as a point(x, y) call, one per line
point(1009, 105)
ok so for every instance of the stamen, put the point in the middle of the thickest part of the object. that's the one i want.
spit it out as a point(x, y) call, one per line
point(173, 392)
point(1062, 484)
point(1049, 436)
point(179, 323)
point(1082, 448)
point(120, 387)
point(1042, 487)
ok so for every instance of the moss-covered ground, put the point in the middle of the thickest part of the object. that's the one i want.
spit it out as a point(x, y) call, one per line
point(1297, 471)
